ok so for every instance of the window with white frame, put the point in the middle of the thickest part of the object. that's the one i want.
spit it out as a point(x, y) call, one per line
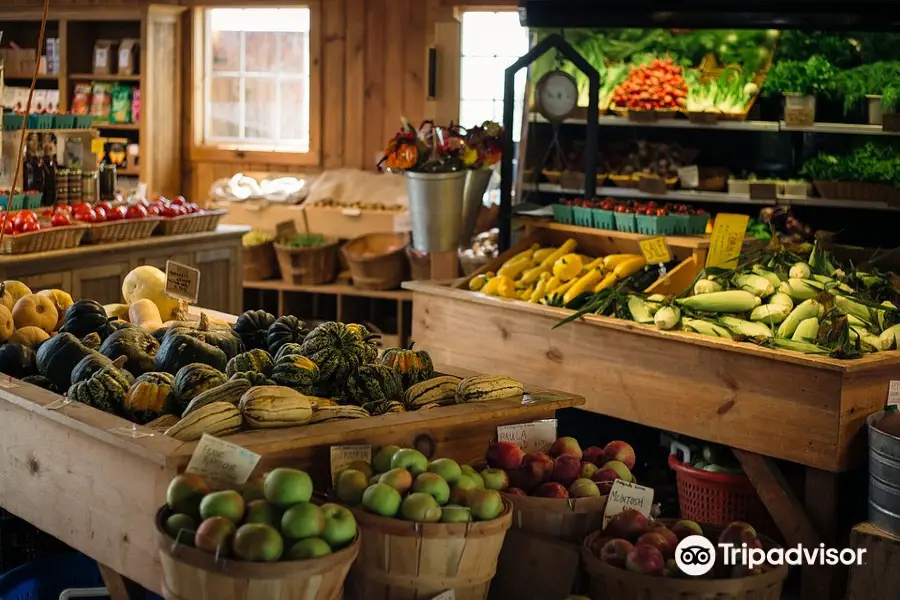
point(256, 79)
point(491, 41)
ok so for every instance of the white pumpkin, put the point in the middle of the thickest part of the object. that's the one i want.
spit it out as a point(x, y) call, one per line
point(149, 283)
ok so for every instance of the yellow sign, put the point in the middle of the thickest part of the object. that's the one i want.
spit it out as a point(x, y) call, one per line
point(655, 250)
point(97, 146)
point(727, 239)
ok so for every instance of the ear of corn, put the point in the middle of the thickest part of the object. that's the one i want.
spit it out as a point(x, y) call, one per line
point(855, 321)
point(745, 328)
point(706, 286)
point(798, 289)
point(769, 275)
point(856, 309)
point(783, 299)
point(755, 284)
point(667, 317)
point(804, 347)
point(770, 314)
point(807, 330)
point(890, 338)
point(638, 309)
point(705, 328)
point(732, 301)
point(800, 271)
point(807, 309)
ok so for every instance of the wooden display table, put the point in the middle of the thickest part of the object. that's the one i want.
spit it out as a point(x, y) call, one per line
point(96, 271)
point(763, 403)
point(75, 474)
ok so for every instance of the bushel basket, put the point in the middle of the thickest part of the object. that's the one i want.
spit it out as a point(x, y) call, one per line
point(377, 261)
point(44, 240)
point(308, 266)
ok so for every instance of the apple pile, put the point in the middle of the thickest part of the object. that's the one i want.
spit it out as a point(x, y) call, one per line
point(632, 541)
point(401, 483)
point(565, 471)
point(267, 520)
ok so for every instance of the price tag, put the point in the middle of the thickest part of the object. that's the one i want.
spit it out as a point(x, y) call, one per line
point(182, 281)
point(893, 399)
point(655, 250)
point(285, 230)
point(625, 495)
point(727, 239)
point(536, 436)
point(97, 146)
point(130, 432)
point(221, 461)
point(763, 191)
point(343, 456)
point(689, 177)
point(448, 595)
point(351, 212)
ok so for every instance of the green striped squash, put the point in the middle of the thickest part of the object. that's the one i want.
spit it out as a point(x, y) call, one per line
point(194, 379)
point(253, 360)
point(297, 372)
point(372, 384)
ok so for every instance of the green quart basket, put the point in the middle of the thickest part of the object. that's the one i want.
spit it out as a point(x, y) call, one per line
point(626, 222)
point(603, 219)
point(33, 201)
point(682, 224)
point(562, 214)
point(582, 216)
point(653, 225)
point(698, 224)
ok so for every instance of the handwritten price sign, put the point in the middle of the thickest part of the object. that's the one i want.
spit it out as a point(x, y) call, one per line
point(655, 250)
point(182, 281)
point(726, 241)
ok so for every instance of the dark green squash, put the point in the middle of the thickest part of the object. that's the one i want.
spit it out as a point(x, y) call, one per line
point(41, 382)
point(84, 317)
point(92, 341)
point(368, 340)
point(106, 389)
point(285, 330)
point(136, 345)
point(192, 380)
point(255, 379)
point(372, 384)
point(150, 397)
point(297, 372)
point(89, 365)
point(252, 326)
point(253, 360)
point(180, 348)
point(17, 361)
point(222, 338)
point(160, 333)
point(289, 348)
point(412, 365)
point(336, 351)
point(57, 357)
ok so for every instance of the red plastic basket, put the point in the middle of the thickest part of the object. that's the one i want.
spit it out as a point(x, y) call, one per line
point(716, 498)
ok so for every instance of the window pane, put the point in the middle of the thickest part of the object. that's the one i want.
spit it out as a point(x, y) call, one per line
point(226, 50)
point(260, 52)
point(260, 108)
point(224, 107)
point(482, 78)
point(293, 125)
point(292, 52)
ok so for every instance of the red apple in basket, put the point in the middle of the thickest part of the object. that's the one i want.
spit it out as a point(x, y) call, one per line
point(504, 455)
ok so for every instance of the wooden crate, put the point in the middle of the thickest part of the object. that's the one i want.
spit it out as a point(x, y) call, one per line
point(879, 577)
point(802, 408)
point(76, 474)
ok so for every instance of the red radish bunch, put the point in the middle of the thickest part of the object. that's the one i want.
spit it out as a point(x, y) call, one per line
point(658, 85)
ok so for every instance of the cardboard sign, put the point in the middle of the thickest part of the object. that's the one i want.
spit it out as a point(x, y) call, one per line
point(763, 191)
point(689, 177)
point(625, 495)
point(285, 230)
point(727, 239)
point(536, 436)
point(221, 461)
point(655, 250)
point(182, 281)
point(343, 456)
point(893, 398)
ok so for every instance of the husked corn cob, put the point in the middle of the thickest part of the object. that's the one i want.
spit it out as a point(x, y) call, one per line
point(731, 301)
point(746, 328)
point(805, 310)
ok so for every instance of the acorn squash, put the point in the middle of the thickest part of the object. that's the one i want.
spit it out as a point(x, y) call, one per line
point(84, 317)
point(255, 379)
point(413, 366)
point(192, 380)
point(138, 346)
point(289, 348)
point(252, 360)
point(222, 337)
point(182, 346)
point(336, 350)
point(285, 330)
point(368, 340)
point(17, 360)
point(372, 384)
point(252, 326)
point(297, 372)
point(89, 365)
point(106, 389)
point(56, 358)
point(151, 396)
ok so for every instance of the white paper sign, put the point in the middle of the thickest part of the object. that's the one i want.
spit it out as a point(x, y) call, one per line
point(100, 58)
point(182, 281)
point(343, 456)
point(448, 595)
point(625, 495)
point(536, 436)
point(689, 176)
point(221, 461)
point(893, 398)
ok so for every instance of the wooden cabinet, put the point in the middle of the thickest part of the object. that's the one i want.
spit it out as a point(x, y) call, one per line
point(102, 283)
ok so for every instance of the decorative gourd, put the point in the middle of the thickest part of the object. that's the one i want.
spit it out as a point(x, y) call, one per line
point(222, 337)
point(372, 384)
point(182, 346)
point(6, 324)
point(297, 372)
point(335, 349)
point(17, 360)
point(285, 330)
point(194, 379)
point(150, 397)
point(84, 317)
point(11, 291)
point(89, 365)
point(57, 357)
point(29, 336)
point(255, 379)
point(287, 349)
point(136, 345)
point(106, 389)
point(149, 283)
point(41, 382)
point(61, 301)
point(413, 366)
point(368, 339)
point(230, 391)
point(252, 326)
point(35, 310)
point(252, 360)
point(145, 315)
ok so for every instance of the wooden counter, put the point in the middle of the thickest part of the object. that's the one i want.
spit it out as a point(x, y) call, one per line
point(96, 271)
point(71, 474)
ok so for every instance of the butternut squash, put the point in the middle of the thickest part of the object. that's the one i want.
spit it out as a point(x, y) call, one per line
point(145, 314)
point(29, 336)
point(35, 310)
point(6, 323)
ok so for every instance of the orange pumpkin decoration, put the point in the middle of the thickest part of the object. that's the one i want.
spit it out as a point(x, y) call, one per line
point(35, 310)
point(29, 336)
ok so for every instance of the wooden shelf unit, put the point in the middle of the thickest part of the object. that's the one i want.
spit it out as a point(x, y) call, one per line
point(158, 28)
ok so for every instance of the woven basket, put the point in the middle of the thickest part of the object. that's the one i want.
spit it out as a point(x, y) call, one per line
point(259, 262)
point(208, 220)
point(308, 266)
point(377, 261)
point(125, 230)
point(44, 240)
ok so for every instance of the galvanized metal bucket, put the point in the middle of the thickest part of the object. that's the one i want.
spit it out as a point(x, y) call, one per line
point(884, 476)
point(477, 181)
point(436, 209)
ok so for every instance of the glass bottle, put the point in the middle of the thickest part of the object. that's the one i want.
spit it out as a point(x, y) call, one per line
point(106, 178)
point(32, 176)
point(50, 169)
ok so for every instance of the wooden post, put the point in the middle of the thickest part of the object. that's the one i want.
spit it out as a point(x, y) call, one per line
point(878, 577)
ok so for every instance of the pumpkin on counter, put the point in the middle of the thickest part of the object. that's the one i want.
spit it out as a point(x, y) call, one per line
point(138, 346)
point(253, 360)
point(57, 357)
point(106, 389)
point(35, 310)
point(193, 379)
point(151, 396)
point(17, 360)
point(413, 366)
point(11, 291)
point(29, 336)
point(285, 330)
point(6, 323)
point(252, 326)
point(61, 301)
point(84, 317)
